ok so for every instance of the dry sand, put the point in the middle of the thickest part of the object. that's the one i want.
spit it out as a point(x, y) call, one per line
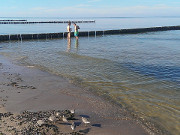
point(27, 88)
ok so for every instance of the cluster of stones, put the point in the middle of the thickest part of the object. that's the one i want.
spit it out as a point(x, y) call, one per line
point(39, 123)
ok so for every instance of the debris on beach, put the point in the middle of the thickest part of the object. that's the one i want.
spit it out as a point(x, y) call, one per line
point(38, 123)
point(64, 119)
point(73, 126)
point(15, 80)
point(72, 111)
point(85, 120)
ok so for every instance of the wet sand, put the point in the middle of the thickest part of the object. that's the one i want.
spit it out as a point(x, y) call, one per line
point(27, 88)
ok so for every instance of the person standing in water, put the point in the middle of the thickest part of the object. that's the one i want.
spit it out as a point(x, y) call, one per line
point(69, 36)
point(69, 30)
point(76, 32)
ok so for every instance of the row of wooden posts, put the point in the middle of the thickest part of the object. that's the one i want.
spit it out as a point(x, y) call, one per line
point(85, 33)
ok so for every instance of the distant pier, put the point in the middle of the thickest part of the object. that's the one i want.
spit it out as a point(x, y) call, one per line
point(21, 37)
point(11, 20)
point(27, 22)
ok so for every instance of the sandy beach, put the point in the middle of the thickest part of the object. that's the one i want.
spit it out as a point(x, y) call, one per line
point(27, 88)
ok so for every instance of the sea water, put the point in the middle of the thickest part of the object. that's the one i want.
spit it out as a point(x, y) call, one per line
point(101, 23)
point(140, 72)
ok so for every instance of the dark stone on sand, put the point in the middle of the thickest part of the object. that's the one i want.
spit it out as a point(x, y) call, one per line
point(12, 84)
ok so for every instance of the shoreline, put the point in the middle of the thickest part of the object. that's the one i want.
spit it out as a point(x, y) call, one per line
point(37, 90)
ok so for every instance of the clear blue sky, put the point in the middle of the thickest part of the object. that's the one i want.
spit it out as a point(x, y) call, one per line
point(88, 8)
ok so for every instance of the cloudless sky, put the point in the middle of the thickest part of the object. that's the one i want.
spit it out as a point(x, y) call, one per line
point(88, 8)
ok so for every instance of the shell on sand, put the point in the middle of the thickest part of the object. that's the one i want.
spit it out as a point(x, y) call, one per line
point(73, 126)
point(52, 118)
point(72, 111)
point(40, 122)
point(85, 120)
point(57, 114)
point(64, 119)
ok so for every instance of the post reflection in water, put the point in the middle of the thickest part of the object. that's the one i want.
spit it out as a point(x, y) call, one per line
point(76, 44)
point(68, 44)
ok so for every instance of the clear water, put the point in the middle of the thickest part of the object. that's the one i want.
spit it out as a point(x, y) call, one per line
point(101, 24)
point(141, 71)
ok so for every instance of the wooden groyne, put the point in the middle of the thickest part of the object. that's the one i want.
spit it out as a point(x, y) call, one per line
point(86, 33)
point(11, 20)
point(25, 22)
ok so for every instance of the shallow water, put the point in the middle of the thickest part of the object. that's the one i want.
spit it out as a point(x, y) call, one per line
point(141, 72)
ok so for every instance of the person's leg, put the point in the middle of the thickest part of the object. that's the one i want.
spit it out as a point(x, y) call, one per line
point(69, 35)
point(77, 35)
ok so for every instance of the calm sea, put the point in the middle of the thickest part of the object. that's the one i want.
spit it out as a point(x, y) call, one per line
point(141, 72)
point(101, 24)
